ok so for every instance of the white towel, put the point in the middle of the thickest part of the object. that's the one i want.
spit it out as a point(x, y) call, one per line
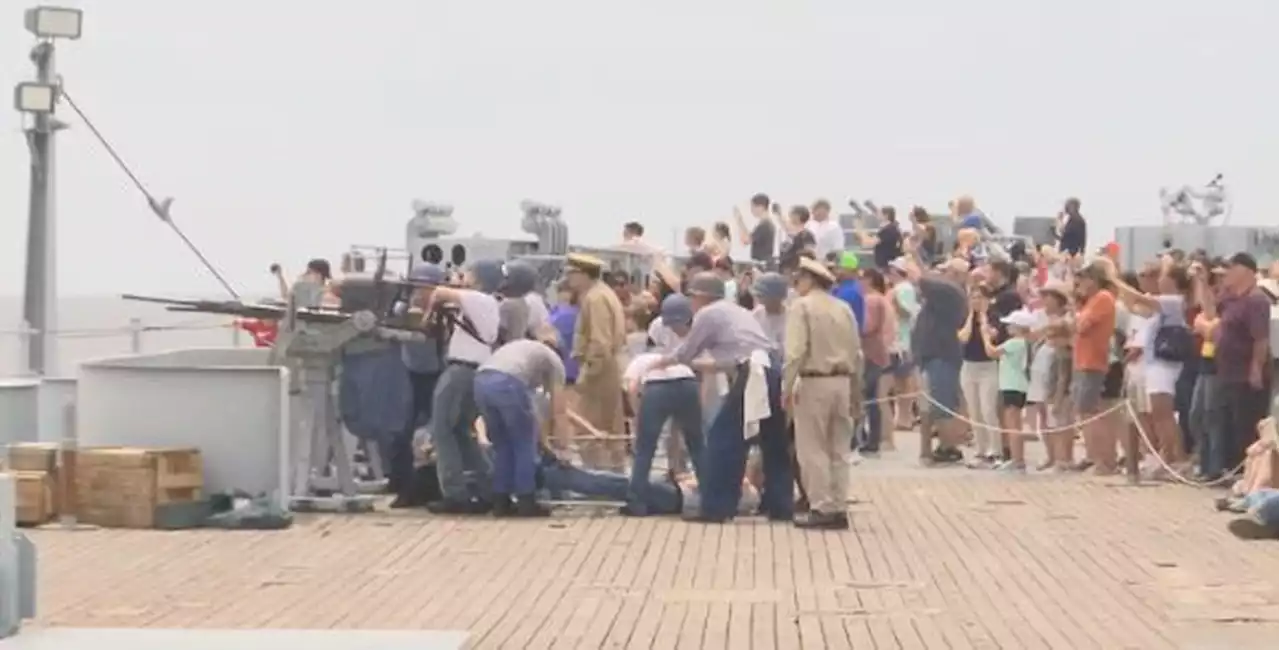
point(755, 397)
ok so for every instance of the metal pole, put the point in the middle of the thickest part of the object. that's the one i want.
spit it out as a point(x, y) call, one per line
point(39, 303)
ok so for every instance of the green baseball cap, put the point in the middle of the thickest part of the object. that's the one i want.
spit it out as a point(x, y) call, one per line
point(848, 261)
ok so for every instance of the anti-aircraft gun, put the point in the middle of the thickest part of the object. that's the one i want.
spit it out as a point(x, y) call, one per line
point(313, 342)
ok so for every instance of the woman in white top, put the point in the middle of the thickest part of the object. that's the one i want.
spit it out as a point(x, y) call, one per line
point(1161, 362)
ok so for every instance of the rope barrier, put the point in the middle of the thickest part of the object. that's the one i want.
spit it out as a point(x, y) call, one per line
point(1125, 404)
point(1170, 470)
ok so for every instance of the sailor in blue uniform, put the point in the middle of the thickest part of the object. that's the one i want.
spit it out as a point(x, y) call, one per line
point(424, 361)
point(731, 337)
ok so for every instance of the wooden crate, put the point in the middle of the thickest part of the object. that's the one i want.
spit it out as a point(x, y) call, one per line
point(33, 457)
point(38, 457)
point(121, 487)
point(35, 497)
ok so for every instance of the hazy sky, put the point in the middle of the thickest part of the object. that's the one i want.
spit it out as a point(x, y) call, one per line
point(291, 129)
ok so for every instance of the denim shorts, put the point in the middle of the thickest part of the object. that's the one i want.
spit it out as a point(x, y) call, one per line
point(942, 382)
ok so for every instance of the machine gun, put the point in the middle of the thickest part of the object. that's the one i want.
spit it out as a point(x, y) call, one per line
point(313, 343)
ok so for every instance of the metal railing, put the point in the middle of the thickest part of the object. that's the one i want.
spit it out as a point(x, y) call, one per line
point(135, 330)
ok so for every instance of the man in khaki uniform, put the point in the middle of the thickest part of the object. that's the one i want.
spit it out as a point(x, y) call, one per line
point(823, 353)
point(598, 339)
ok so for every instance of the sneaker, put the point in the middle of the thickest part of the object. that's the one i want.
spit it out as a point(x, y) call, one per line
point(1251, 528)
point(1012, 467)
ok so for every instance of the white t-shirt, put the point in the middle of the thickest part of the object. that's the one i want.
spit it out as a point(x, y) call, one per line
point(1135, 336)
point(482, 309)
point(827, 236)
point(664, 374)
point(664, 339)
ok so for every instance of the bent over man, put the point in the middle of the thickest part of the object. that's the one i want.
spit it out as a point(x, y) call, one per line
point(824, 355)
point(504, 389)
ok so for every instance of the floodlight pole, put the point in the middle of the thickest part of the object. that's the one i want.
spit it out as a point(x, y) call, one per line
point(40, 296)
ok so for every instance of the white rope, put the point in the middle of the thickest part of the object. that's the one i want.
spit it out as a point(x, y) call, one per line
point(1175, 474)
point(1125, 404)
point(1070, 427)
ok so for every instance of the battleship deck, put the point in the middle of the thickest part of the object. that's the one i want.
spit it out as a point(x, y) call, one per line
point(947, 558)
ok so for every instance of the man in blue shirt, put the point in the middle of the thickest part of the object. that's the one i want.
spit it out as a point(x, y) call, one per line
point(845, 266)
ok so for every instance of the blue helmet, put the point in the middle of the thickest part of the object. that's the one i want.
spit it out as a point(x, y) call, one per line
point(488, 275)
point(771, 286)
point(676, 310)
point(521, 279)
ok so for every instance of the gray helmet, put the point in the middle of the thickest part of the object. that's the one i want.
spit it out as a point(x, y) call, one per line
point(676, 310)
point(427, 274)
point(771, 286)
point(707, 284)
point(488, 275)
point(521, 279)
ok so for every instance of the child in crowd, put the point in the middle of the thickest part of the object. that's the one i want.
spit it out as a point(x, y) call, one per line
point(1013, 358)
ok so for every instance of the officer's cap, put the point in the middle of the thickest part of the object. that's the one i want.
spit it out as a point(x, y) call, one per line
point(816, 269)
point(676, 310)
point(771, 286)
point(707, 284)
point(427, 274)
point(581, 262)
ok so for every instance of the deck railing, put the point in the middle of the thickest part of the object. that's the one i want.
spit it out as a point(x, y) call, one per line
point(135, 331)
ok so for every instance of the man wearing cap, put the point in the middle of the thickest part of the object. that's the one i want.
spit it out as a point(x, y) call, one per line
point(598, 339)
point(735, 343)
point(1243, 343)
point(823, 354)
point(453, 408)
point(937, 349)
point(1091, 360)
point(425, 361)
point(522, 312)
point(771, 290)
point(670, 393)
point(847, 288)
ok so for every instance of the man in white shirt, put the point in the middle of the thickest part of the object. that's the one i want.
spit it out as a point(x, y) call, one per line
point(827, 234)
point(453, 411)
point(668, 393)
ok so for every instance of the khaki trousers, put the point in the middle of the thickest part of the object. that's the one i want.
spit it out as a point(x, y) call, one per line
point(824, 434)
point(600, 403)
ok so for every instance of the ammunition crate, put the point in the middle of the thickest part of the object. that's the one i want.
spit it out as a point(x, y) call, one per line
point(123, 487)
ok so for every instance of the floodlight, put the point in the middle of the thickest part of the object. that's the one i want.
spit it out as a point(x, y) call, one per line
point(32, 97)
point(53, 22)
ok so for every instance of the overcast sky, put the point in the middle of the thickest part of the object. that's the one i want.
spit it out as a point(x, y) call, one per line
point(291, 129)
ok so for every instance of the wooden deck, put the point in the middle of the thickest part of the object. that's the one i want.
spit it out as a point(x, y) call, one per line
point(947, 558)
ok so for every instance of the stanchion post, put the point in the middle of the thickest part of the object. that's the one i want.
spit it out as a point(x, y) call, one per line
point(135, 335)
point(1131, 459)
point(67, 452)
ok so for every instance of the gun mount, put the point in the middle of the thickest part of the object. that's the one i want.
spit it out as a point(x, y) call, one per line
point(313, 343)
point(1199, 206)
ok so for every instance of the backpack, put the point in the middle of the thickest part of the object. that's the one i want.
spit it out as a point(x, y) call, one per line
point(1173, 343)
